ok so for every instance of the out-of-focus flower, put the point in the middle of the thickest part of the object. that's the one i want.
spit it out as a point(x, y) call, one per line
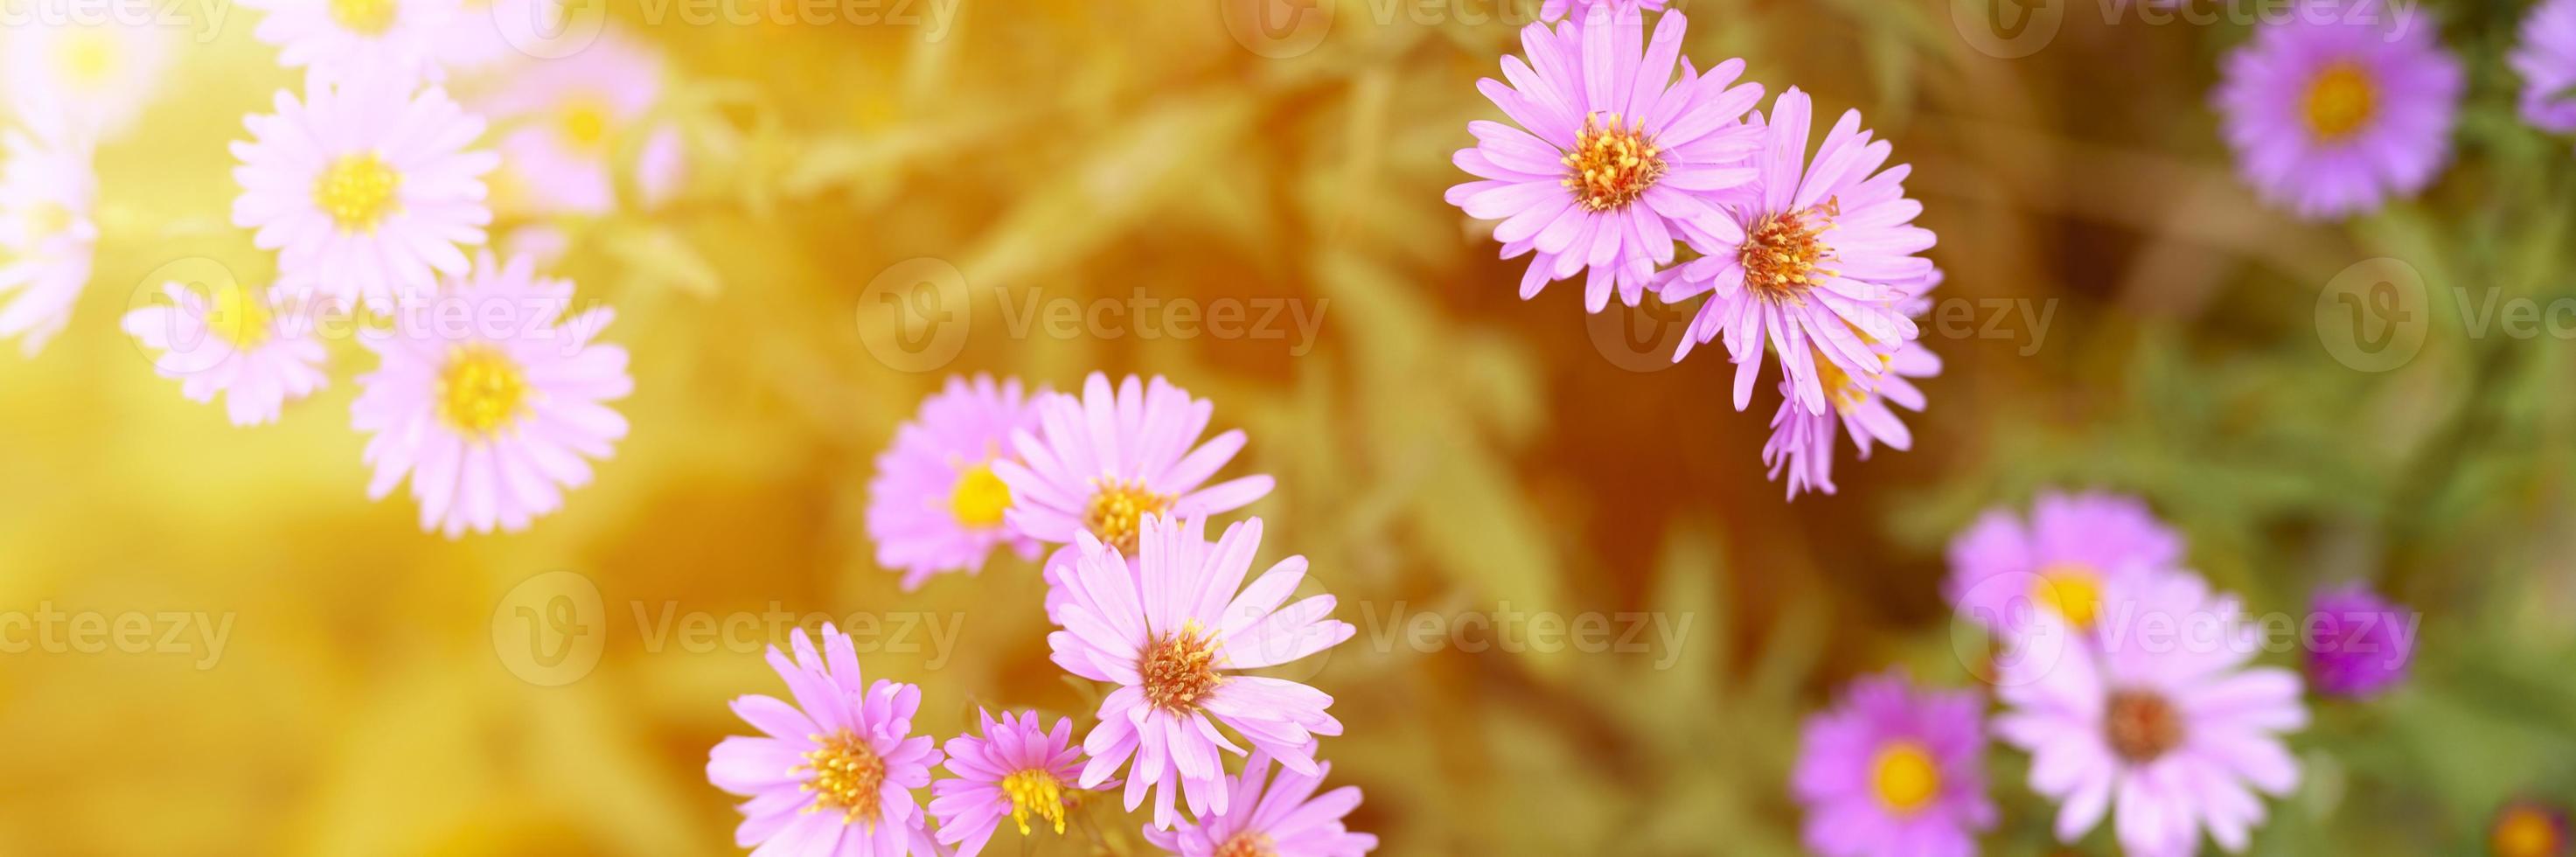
point(567, 119)
point(365, 189)
point(1895, 770)
point(2173, 728)
point(2331, 112)
point(2004, 574)
point(485, 33)
point(1802, 444)
point(2546, 59)
point(1815, 262)
point(492, 412)
point(1613, 155)
point(835, 773)
point(2360, 642)
point(1096, 464)
point(47, 241)
point(1173, 633)
point(259, 351)
point(1285, 817)
point(935, 505)
point(1016, 769)
point(2528, 829)
point(340, 40)
point(98, 74)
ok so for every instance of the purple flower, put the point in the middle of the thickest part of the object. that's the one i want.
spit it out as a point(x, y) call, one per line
point(1284, 819)
point(1802, 444)
point(1895, 771)
point(2546, 59)
point(2073, 547)
point(1814, 262)
point(1613, 155)
point(2333, 109)
point(935, 504)
point(2172, 728)
point(1173, 633)
point(1096, 464)
point(835, 773)
point(1016, 769)
point(2359, 643)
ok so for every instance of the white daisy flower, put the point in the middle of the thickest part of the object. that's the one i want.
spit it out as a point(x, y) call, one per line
point(99, 75)
point(259, 352)
point(342, 39)
point(47, 189)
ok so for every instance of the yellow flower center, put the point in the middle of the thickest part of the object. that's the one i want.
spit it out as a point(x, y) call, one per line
point(2339, 101)
point(847, 777)
point(2526, 831)
point(1116, 511)
point(43, 221)
point(2069, 590)
point(1782, 252)
point(584, 123)
point(1179, 669)
point(1035, 790)
point(357, 191)
point(238, 316)
point(1612, 164)
point(364, 17)
point(1247, 844)
point(2141, 726)
point(88, 56)
point(1904, 777)
point(481, 390)
point(979, 498)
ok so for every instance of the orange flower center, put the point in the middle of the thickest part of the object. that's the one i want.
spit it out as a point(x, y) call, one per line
point(1611, 164)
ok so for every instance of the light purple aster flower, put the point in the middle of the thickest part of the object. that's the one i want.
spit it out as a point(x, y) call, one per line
point(2359, 643)
point(1173, 633)
point(1802, 443)
point(2330, 111)
point(1613, 155)
point(833, 774)
point(1095, 464)
point(1016, 769)
point(1815, 259)
point(257, 350)
point(2004, 573)
point(1895, 770)
point(1284, 818)
point(2546, 59)
point(2167, 730)
point(935, 505)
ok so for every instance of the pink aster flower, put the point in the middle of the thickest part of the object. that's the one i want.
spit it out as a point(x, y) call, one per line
point(1613, 155)
point(935, 504)
point(1095, 464)
point(1173, 633)
point(2331, 111)
point(1285, 816)
point(98, 72)
point(832, 775)
point(258, 351)
point(1815, 262)
point(1895, 770)
point(492, 416)
point(2358, 642)
point(47, 241)
point(338, 40)
point(365, 189)
point(1016, 769)
point(568, 121)
point(2163, 726)
point(2004, 572)
point(2546, 60)
point(1802, 443)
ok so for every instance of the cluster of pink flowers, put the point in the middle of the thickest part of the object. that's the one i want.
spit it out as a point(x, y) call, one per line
point(1621, 151)
point(1118, 479)
point(2129, 682)
point(374, 188)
